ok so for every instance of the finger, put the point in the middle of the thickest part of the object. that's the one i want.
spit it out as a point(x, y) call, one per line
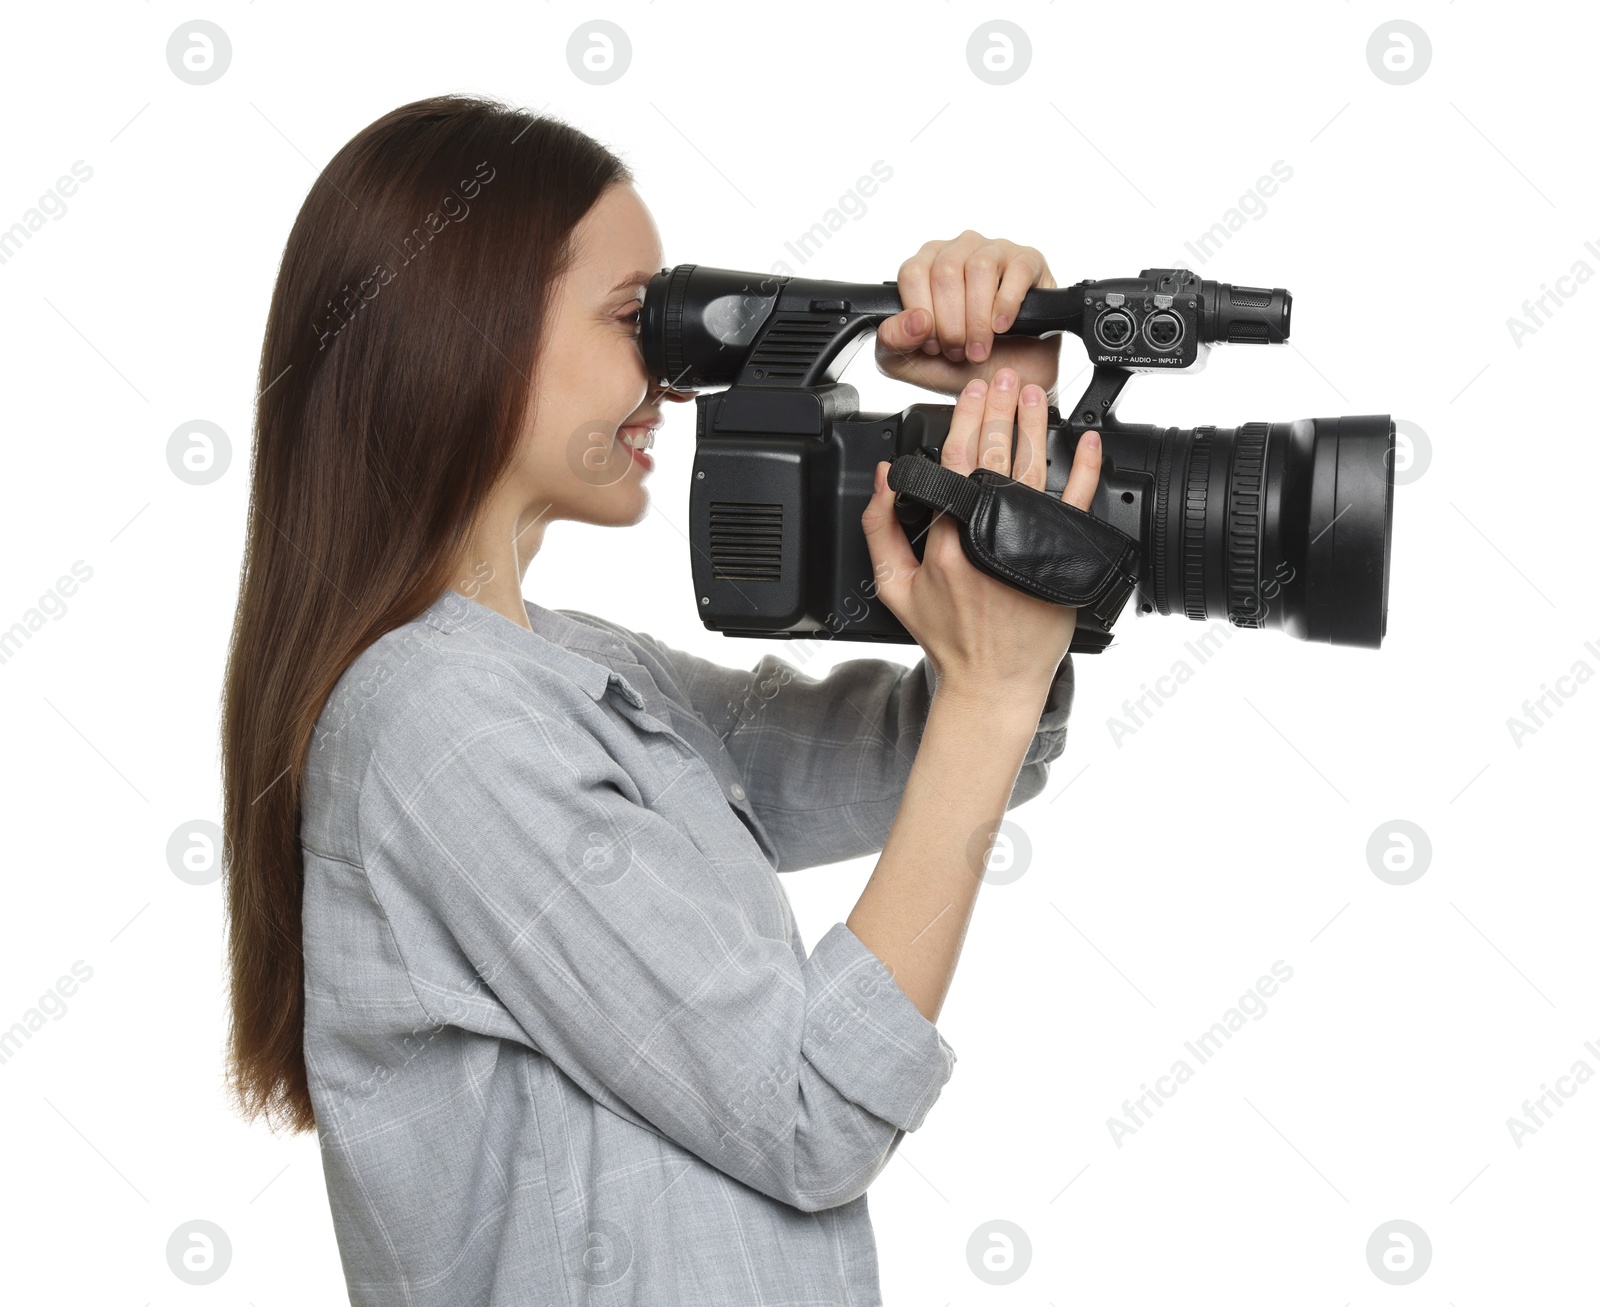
point(948, 279)
point(942, 549)
point(960, 444)
point(1085, 474)
point(999, 419)
point(1021, 275)
point(984, 267)
point(1033, 426)
point(893, 561)
point(905, 331)
point(916, 291)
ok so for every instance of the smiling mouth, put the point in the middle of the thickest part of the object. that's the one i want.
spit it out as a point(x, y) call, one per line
point(638, 438)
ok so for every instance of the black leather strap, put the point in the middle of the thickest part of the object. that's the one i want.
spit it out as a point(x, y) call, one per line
point(1027, 538)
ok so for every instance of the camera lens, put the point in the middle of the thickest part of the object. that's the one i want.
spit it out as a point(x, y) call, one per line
point(1284, 525)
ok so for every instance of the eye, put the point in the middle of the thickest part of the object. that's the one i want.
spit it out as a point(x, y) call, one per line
point(632, 319)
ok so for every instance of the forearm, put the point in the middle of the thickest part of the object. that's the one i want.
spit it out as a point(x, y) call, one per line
point(915, 909)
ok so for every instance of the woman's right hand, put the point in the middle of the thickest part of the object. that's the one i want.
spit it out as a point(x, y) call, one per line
point(985, 639)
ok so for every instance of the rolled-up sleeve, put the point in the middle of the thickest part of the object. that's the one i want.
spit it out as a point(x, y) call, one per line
point(507, 843)
point(838, 746)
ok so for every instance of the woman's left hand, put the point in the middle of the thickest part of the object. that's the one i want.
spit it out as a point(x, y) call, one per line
point(959, 296)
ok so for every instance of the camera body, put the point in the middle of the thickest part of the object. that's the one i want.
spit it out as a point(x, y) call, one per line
point(1283, 525)
point(780, 481)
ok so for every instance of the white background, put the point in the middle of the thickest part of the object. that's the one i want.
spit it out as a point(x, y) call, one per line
point(1228, 833)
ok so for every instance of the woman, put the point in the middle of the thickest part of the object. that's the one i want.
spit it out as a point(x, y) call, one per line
point(505, 923)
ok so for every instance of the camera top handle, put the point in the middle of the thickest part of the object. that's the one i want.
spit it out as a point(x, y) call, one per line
point(709, 327)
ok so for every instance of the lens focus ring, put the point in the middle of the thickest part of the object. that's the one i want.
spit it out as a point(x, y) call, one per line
point(1194, 524)
point(1246, 604)
point(1159, 551)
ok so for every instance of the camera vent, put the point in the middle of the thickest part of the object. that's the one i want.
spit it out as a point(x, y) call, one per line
point(791, 346)
point(746, 542)
point(1247, 333)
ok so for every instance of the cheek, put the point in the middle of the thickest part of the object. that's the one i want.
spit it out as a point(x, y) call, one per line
point(590, 382)
point(628, 377)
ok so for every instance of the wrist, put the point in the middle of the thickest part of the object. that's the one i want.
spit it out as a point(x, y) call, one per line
point(1011, 704)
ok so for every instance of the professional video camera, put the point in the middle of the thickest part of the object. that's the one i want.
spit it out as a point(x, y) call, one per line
point(1281, 525)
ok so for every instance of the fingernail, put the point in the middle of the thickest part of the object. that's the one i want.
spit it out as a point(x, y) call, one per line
point(1031, 395)
point(930, 347)
point(1002, 322)
point(956, 354)
point(1005, 379)
point(976, 352)
point(975, 388)
point(1092, 439)
point(913, 321)
point(878, 478)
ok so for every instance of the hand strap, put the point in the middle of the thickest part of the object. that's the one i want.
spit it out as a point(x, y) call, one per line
point(1029, 539)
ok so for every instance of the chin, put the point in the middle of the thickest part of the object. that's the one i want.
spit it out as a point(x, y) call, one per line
point(625, 504)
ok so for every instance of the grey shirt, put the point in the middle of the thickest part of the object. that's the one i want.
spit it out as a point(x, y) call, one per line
point(564, 1041)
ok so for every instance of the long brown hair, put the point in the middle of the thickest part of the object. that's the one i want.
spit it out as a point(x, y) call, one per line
point(400, 349)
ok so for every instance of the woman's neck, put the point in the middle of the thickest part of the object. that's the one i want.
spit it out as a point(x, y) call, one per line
point(495, 559)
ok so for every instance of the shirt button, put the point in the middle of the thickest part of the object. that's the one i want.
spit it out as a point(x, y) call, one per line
point(737, 791)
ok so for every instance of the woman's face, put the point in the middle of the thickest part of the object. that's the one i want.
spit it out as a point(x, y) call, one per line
point(593, 408)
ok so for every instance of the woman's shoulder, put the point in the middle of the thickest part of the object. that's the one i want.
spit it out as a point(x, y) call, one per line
point(455, 663)
point(419, 694)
